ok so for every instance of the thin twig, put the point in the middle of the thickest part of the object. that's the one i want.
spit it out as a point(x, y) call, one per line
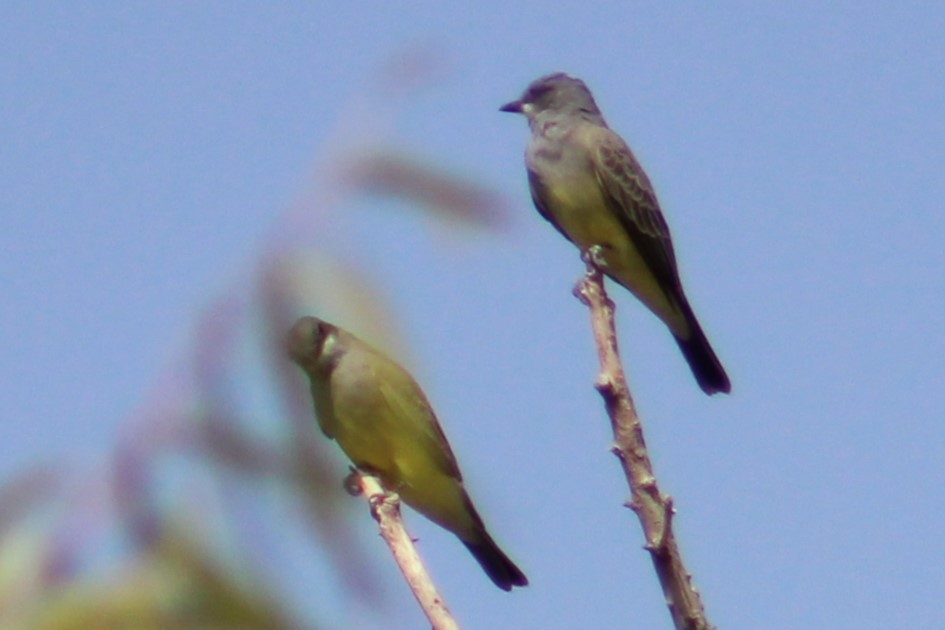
point(653, 508)
point(385, 508)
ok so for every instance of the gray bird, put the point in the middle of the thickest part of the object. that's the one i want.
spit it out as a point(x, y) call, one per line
point(586, 182)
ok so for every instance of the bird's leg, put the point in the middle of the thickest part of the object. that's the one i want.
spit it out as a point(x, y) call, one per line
point(355, 485)
point(594, 255)
point(593, 258)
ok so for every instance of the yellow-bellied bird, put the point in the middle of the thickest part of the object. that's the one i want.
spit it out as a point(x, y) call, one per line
point(380, 417)
point(585, 181)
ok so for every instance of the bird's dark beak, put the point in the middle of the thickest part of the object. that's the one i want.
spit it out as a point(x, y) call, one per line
point(515, 107)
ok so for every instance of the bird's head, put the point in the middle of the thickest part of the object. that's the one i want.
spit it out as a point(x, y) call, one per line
point(313, 343)
point(558, 93)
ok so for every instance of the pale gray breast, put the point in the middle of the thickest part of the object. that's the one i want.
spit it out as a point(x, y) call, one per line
point(555, 152)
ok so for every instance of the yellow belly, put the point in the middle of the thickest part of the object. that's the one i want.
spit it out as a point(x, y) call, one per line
point(375, 436)
point(580, 211)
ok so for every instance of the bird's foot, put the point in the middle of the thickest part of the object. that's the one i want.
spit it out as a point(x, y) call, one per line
point(593, 256)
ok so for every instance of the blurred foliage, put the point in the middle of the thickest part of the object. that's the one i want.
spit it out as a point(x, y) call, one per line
point(173, 584)
point(173, 531)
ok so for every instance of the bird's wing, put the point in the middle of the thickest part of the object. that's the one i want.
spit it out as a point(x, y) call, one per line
point(631, 198)
point(410, 404)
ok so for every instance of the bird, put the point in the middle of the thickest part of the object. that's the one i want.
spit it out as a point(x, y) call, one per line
point(586, 182)
point(379, 416)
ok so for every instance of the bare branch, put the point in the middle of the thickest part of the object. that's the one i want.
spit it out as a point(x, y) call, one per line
point(385, 508)
point(653, 508)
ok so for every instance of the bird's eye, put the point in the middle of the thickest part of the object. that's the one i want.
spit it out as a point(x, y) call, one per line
point(319, 336)
point(538, 93)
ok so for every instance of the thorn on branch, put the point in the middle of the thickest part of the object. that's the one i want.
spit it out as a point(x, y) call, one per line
point(653, 509)
point(580, 292)
point(649, 484)
point(606, 387)
point(665, 530)
point(618, 452)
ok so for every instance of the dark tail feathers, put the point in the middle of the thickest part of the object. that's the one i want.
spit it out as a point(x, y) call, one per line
point(496, 564)
point(705, 365)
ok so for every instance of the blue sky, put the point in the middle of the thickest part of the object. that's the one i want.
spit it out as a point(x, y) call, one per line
point(148, 150)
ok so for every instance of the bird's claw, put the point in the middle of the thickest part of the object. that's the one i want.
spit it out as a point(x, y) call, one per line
point(594, 256)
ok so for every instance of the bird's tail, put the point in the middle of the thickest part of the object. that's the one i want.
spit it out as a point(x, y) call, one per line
point(702, 360)
point(495, 563)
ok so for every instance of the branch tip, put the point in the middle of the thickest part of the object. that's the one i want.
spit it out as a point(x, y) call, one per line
point(653, 509)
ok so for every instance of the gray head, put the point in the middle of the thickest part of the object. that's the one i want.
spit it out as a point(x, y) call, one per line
point(557, 93)
point(314, 344)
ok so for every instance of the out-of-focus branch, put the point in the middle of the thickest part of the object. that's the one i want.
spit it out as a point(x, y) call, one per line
point(385, 508)
point(26, 491)
point(652, 507)
point(393, 174)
